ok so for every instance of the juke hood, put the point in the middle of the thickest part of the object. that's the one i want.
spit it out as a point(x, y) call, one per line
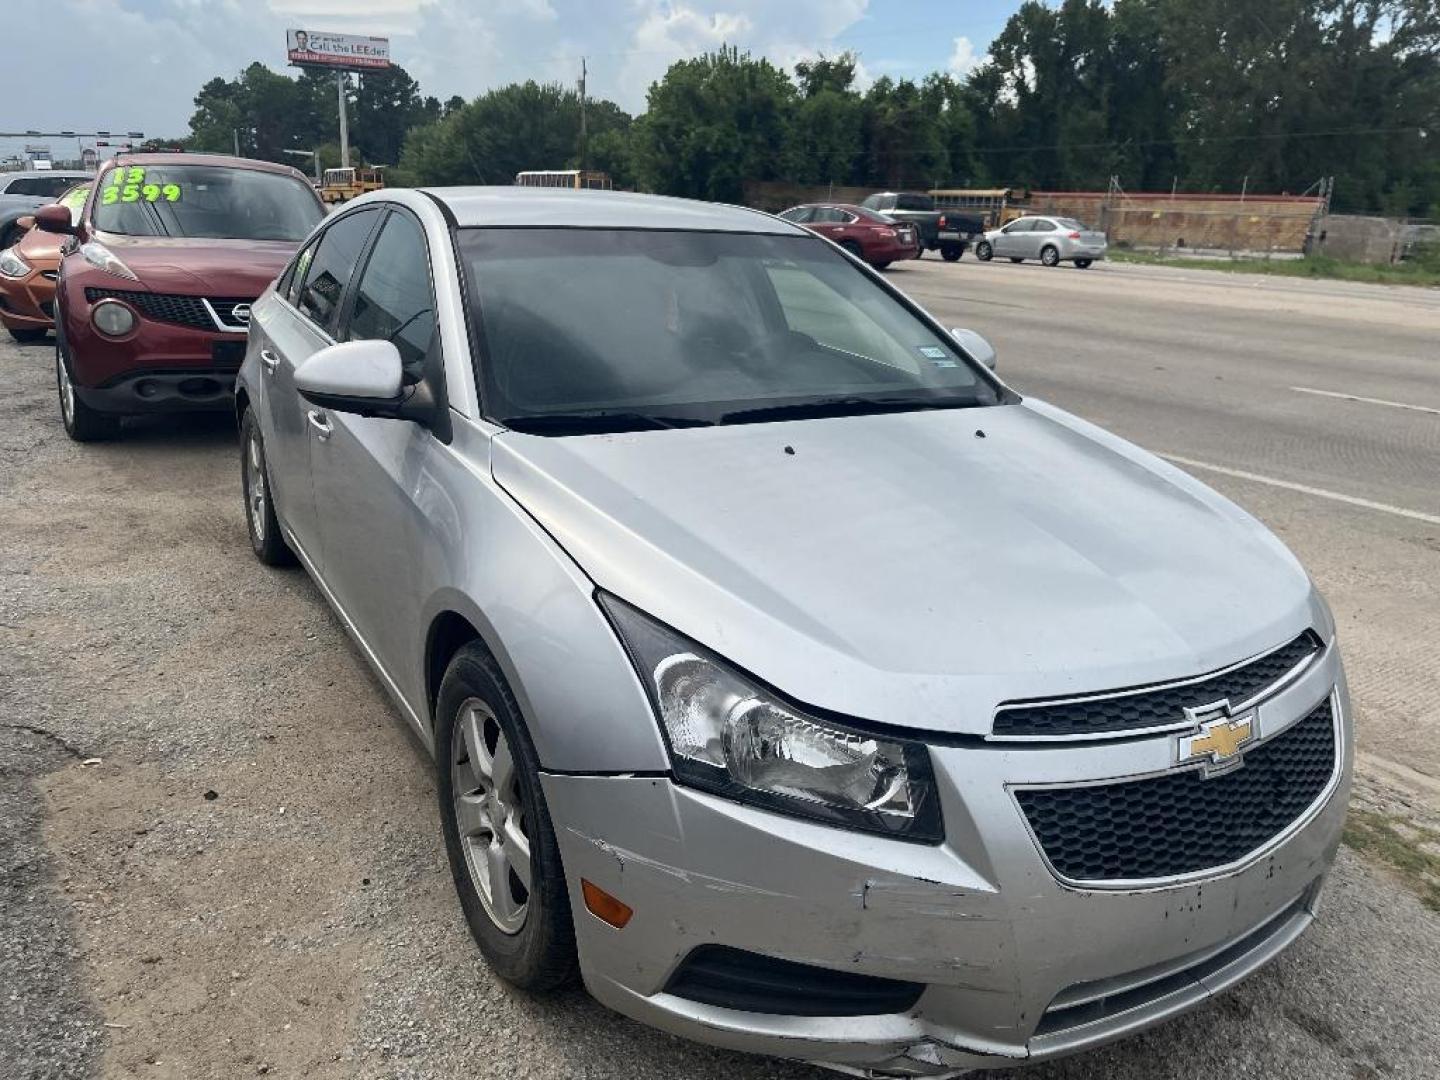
point(919, 568)
point(201, 267)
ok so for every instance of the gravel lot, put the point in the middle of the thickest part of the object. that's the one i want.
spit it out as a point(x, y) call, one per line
point(220, 853)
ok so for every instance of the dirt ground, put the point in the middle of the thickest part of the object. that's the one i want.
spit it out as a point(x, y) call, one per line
point(220, 854)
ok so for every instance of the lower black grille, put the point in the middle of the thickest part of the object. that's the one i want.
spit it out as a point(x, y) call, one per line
point(1139, 708)
point(1183, 823)
point(167, 307)
point(735, 979)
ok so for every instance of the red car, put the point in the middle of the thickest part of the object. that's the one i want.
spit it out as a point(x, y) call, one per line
point(153, 299)
point(864, 233)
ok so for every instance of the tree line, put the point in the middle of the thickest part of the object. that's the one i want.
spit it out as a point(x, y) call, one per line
point(1203, 95)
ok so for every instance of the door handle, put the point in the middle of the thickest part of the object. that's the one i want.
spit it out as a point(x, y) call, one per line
point(269, 360)
point(320, 422)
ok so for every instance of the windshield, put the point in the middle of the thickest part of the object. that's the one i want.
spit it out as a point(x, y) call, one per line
point(205, 201)
point(594, 329)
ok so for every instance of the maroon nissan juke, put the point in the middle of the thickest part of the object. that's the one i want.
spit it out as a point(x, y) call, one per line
point(156, 282)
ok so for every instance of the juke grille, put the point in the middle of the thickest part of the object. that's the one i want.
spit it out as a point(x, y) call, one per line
point(171, 307)
point(1182, 822)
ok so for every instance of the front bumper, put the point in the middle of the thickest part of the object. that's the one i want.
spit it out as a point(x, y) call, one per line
point(28, 303)
point(1016, 966)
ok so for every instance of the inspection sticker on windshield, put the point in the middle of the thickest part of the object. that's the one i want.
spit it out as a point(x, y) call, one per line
point(128, 185)
point(937, 356)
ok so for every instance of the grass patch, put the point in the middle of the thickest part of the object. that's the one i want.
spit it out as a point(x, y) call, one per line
point(1375, 835)
point(1423, 271)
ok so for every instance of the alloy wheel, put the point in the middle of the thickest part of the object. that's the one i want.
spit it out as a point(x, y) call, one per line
point(255, 486)
point(67, 389)
point(490, 815)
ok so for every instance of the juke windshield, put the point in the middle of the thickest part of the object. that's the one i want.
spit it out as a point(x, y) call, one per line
point(205, 202)
point(614, 329)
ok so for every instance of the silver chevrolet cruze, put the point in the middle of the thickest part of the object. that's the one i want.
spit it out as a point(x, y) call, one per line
point(788, 676)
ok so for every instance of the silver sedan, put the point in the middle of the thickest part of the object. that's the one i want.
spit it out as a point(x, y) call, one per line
point(789, 678)
point(1052, 240)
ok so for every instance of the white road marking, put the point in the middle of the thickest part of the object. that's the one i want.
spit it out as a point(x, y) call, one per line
point(1306, 489)
point(1367, 400)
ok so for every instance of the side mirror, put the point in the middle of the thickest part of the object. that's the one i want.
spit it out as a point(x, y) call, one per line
point(55, 219)
point(367, 378)
point(26, 221)
point(975, 345)
point(354, 376)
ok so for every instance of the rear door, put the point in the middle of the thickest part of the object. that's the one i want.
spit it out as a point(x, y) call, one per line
point(300, 325)
point(368, 470)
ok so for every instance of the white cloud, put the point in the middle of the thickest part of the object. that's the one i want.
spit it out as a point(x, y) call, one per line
point(963, 58)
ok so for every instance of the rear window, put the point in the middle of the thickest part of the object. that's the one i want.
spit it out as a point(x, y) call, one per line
point(914, 202)
point(42, 187)
point(1071, 224)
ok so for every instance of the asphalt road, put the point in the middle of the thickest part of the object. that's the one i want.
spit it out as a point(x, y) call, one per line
point(219, 854)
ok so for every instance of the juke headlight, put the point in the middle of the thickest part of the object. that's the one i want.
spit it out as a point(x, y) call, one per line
point(12, 265)
point(729, 735)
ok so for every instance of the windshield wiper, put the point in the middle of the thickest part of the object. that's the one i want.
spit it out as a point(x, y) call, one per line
point(596, 421)
point(843, 406)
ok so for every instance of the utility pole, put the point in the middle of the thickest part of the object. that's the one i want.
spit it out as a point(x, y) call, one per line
point(584, 134)
point(344, 121)
point(236, 132)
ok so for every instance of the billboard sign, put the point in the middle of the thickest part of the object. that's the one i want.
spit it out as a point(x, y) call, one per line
point(315, 48)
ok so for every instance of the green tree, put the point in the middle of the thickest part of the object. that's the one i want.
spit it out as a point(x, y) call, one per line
point(515, 128)
point(713, 123)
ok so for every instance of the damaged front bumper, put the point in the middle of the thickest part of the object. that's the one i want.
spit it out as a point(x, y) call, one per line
point(1009, 964)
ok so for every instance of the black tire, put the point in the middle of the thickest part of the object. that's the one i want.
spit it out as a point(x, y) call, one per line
point(28, 335)
point(82, 423)
point(540, 956)
point(983, 251)
point(266, 539)
point(1050, 255)
point(1082, 264)
point(853, 248)
point(881, 265)
point(952, 252)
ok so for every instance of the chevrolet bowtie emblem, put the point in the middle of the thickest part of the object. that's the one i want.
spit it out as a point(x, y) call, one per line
point(1218, 741)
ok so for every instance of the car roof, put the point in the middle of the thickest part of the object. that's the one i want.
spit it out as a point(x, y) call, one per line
point(224, 160)
point(537, 207)
point(28, 174)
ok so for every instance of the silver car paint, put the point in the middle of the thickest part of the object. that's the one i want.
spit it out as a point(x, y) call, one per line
point(898, 567)
point(1091, 245)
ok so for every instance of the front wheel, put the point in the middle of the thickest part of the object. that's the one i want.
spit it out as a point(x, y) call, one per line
point(983, 251)
point(1050, 256)
point(502, 848)
point(82, 423)
point(28, 335)
point(266, 539)
point(1082, 264)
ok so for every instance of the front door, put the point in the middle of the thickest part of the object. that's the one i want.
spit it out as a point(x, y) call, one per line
point(370, 473)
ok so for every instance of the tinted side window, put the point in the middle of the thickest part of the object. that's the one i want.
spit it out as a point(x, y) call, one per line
point(828, 215)
point(914, 202)
point(332, 266)
point(393, 301)
point(1024, 225)
point(1043, 226)
point(799, 214)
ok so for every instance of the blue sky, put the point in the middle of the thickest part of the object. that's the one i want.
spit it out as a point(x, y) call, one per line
point(136, 64)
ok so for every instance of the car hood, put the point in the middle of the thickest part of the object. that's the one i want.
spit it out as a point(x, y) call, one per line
point(919, 568)
point(40, 249)
point(228, 268)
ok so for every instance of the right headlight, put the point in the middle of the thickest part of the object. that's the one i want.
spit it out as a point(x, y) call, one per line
point(12, 265)
point(729, 735)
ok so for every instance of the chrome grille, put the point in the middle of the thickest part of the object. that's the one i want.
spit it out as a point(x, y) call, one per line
point(1142, 708)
